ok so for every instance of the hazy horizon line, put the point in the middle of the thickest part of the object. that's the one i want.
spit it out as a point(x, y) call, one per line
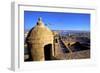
point(63, 30)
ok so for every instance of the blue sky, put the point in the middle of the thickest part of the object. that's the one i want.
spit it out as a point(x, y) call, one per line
point(58, 20)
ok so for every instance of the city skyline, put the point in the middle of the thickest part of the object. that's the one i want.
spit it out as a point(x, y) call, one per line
point(58, 20)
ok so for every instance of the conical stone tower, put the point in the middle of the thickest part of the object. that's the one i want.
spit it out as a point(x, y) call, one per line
point(40, 42)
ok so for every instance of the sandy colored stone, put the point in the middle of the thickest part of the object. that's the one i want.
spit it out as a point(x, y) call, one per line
point(38, 37)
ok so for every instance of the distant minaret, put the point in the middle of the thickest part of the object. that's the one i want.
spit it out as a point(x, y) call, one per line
point(69, 34)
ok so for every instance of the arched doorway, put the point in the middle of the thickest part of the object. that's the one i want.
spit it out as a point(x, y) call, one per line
point(48, 51)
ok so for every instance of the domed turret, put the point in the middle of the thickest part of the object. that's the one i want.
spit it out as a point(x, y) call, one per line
point(40, 41)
